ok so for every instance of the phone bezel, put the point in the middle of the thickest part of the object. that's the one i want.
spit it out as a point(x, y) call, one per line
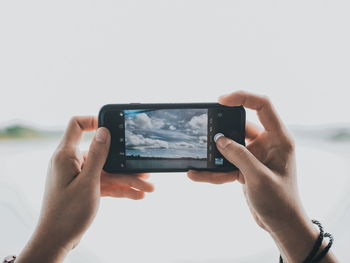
point(115, 107)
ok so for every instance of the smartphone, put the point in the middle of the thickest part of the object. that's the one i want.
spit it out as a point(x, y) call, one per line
point(172, 137)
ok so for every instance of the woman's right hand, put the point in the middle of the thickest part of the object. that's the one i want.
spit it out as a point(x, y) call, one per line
point(267, 171)
point(73, 189)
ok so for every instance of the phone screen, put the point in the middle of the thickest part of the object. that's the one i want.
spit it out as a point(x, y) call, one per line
point(170, 139)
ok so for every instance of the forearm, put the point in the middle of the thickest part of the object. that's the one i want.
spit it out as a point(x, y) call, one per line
point(296, 241)
point(42, 248)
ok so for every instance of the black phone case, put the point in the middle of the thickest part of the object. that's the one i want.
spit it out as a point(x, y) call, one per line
point(109, 167)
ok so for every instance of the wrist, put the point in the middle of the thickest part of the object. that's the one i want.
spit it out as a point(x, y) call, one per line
point(42, 248)
point(296, 239)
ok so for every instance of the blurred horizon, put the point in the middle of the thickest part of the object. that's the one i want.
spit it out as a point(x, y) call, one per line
point(18, 129)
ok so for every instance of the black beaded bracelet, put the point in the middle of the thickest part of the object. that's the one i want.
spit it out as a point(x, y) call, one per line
point(325, 250)
point(310, 258)
point(318, 243)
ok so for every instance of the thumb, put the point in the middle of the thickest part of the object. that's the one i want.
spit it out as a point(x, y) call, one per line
point(238, 155)
point(97, 154)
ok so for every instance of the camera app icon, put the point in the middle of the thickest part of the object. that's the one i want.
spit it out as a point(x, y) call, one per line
point(219, 161)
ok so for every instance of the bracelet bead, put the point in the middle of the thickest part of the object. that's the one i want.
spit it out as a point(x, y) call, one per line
point(9, 259)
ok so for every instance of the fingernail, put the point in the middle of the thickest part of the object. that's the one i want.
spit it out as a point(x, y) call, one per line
point(101, 135)
point(221, 140)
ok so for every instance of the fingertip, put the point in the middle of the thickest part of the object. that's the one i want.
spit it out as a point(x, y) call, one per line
point(221, 97)
point(102, 135)
point(221, 100)
point(218, 135)
point(189, 175)
point(150, 188)
point(222, 142)
point(143, 175)
point(153, 188)
point(139, 195)
point(193, 175)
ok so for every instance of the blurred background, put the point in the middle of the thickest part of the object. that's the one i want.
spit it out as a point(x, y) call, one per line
point(65, 58)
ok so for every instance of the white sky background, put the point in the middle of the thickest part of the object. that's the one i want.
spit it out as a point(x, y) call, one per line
point(63, 58)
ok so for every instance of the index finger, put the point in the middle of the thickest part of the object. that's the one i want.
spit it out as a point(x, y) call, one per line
point(213, 177)
point(265, 110)
point(77, 125)
point(129, 180)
